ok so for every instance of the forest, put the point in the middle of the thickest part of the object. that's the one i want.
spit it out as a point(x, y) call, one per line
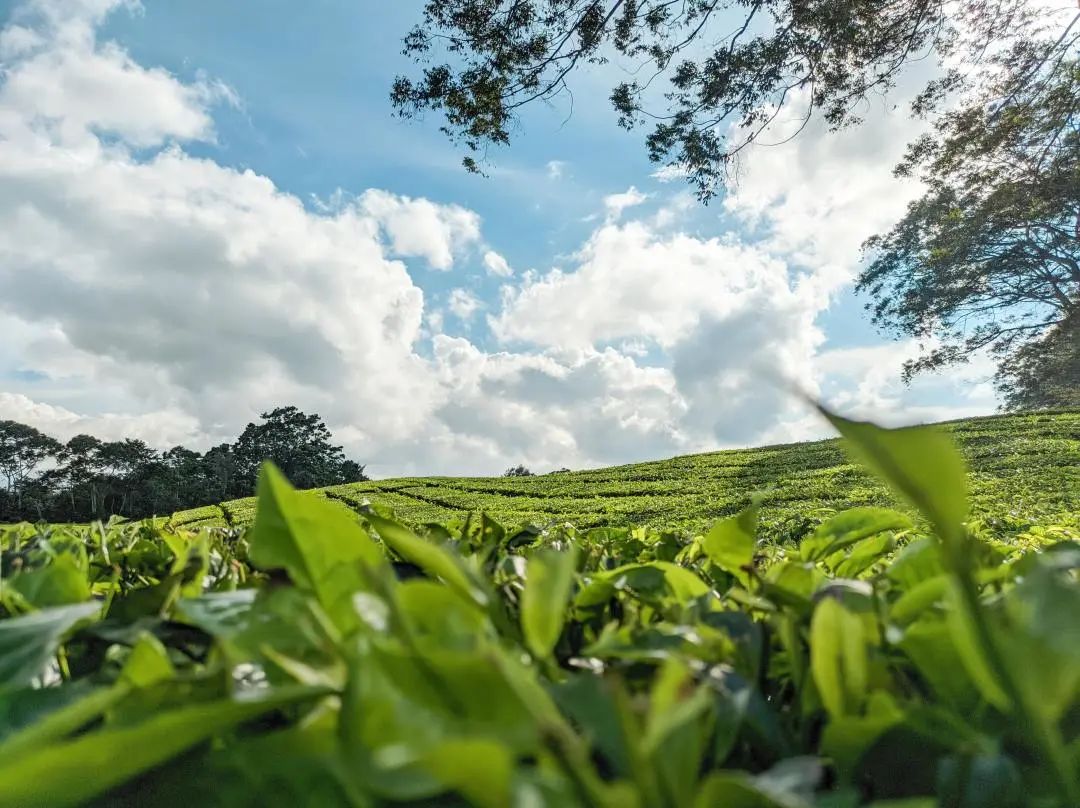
point(87, 478)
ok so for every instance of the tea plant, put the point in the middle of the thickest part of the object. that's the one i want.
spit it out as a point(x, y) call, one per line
point(1025, 471)
point(323, 657)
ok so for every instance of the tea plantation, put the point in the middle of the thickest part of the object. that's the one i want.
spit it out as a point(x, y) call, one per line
point(1025, 471)
point(897, 631)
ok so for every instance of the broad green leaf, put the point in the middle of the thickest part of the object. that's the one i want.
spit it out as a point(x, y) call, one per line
point(59, 583)
point(1043, 638)
point(865, 554)
point(730, 543)
point(838, 657)
point(917, 563)
point(789, 784)
point(478, 769)
point(919, 463)
point(965, 637)
point(434, 560)
point(436, 615)
point(62, 722)
point(915, 601)
point(26, 707)
point(849, 527)
point(316, 543)
point(677, 729)
point(928, 643)
point(587, 700)
point(72, 772)
point(847, 738)
point(549, 578)
point(147, 664)
point(29, 643)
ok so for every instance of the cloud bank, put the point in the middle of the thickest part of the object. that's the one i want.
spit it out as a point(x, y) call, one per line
point(145, 291)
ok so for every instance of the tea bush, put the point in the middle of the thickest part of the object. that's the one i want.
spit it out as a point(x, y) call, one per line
point(911, 657)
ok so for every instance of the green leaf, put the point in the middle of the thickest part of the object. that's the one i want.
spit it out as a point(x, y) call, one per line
point(59, 583)
point(965, 637)
point(985, 781)
point(838, 657)
point(478, 769)
point(434, 560)
point(148, 663)
point(919, 463)
point(317, 544)
point(549, 578)
point(849, 527)
point(29, 643)
point(72, 772)
point(730, 543)
point(62, 722)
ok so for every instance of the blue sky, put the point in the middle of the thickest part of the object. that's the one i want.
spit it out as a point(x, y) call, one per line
point(209, 209)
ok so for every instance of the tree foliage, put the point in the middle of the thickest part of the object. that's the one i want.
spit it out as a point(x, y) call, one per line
point(517, 471)
point(988, 259)
point(88, 478)
point(708, 76)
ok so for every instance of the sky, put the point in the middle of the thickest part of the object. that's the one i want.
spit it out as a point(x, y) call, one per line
point(208, 210)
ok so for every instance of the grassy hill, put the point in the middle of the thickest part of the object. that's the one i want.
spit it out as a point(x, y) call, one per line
point(1025, 470)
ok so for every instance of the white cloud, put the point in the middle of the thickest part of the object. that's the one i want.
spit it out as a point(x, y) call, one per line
point(817, 197)
point(463, 304)
point(67, 88)
point(497, 265)
point(730, 319)
point(162, 428)
point(670, 173)
point(865, 382)
point(555, 169)
point(631, 282)
point(615, 204)
point(418, 227)
point(172, 298)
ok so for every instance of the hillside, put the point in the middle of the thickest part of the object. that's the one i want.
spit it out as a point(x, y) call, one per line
point(1025, 469)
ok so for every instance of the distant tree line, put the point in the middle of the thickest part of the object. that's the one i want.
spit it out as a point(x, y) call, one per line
point(87, 478)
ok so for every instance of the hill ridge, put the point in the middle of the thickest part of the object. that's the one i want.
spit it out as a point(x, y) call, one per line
point(1025, 471)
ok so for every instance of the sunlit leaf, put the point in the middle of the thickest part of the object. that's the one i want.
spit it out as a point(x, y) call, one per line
point(549, 578)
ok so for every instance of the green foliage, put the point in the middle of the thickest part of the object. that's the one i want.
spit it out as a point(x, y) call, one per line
point(1024, 476)
point(709, 76)
point(337, 657)
point(93, 479)
point(988, 258)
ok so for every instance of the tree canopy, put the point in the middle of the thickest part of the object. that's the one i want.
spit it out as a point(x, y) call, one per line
point(985, 260)
point(88, 478)
point(988, 259)
point(707, 76)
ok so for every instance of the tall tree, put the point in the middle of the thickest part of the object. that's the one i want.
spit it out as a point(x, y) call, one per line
point(698, 66)
point(297, 443)
point(988, 259)
point(22, 450)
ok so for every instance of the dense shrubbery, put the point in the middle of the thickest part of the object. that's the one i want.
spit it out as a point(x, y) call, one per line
point(87, 478)
point(323, 659)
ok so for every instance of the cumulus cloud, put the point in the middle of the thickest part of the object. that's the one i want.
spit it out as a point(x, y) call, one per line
point(497, 265)
point(161, 428)
point(555, 169)
point(814, 199)
point(615, 204)
point(463, 304)
point(419, 227)
point(172, 298)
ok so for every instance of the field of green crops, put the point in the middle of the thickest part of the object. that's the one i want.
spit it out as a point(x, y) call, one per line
point(812, 648)
point(1025, 470)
